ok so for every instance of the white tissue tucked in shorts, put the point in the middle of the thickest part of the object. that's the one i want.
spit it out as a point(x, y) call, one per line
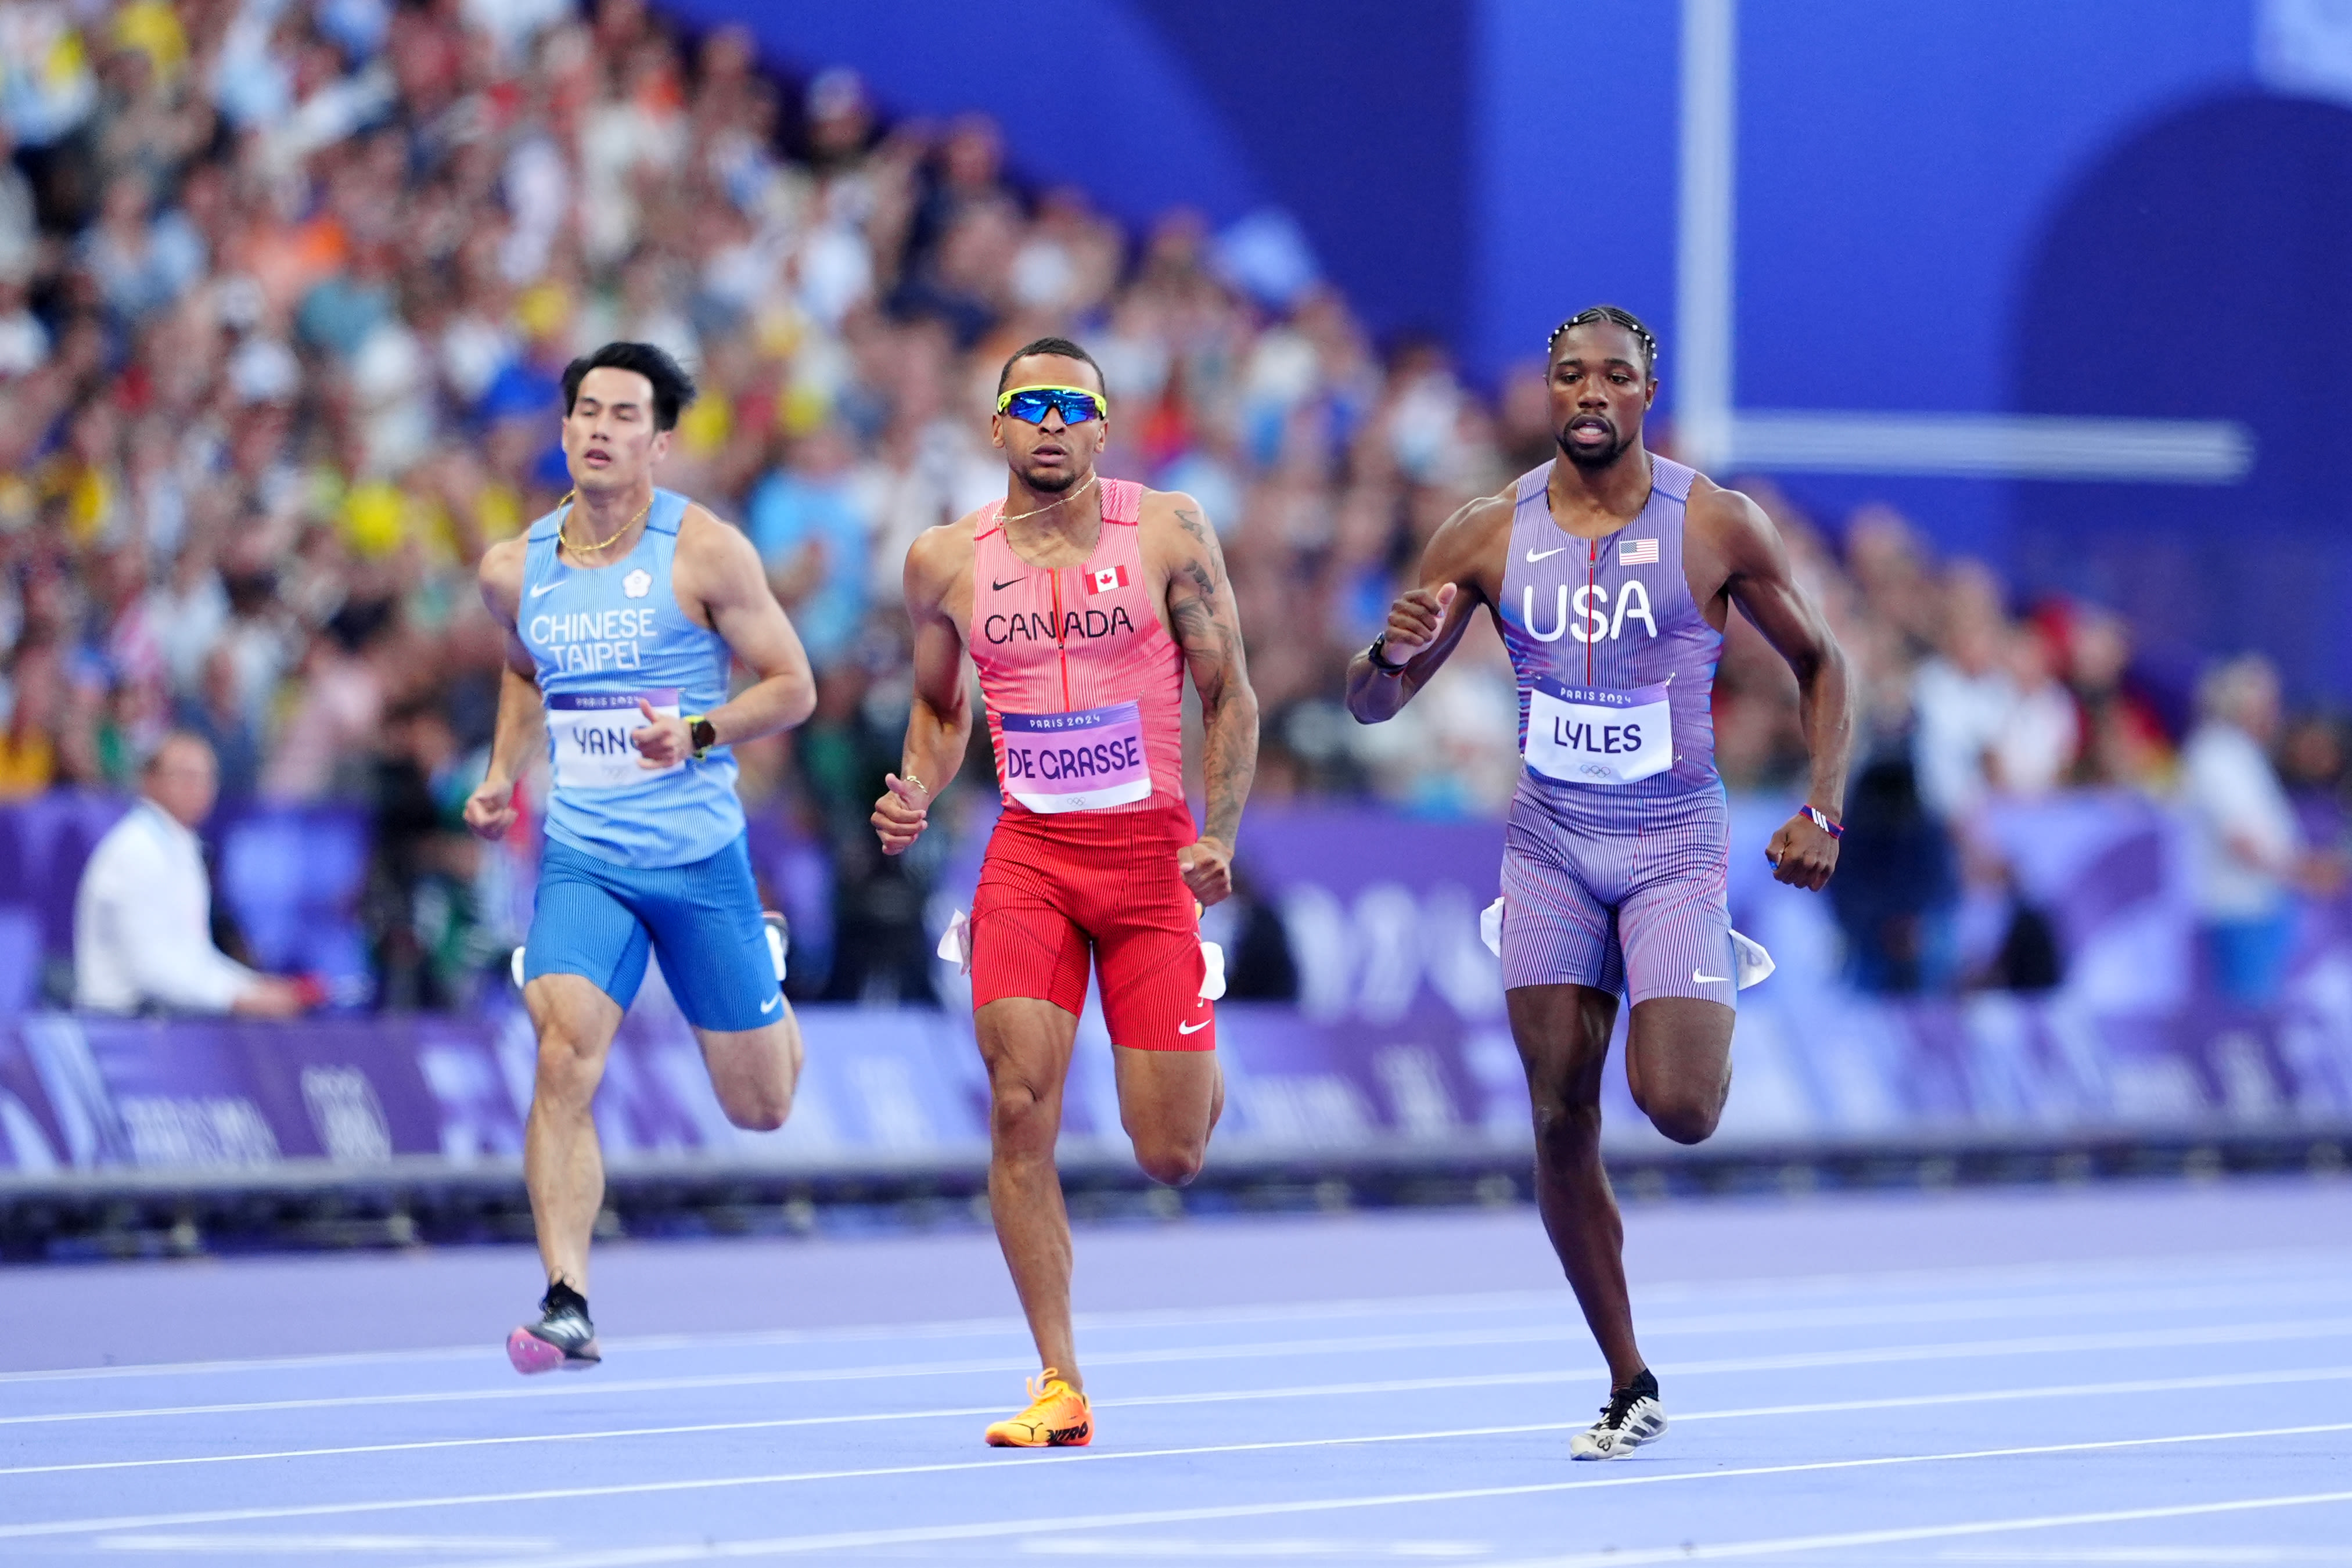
point(1212, 971)
point(1749, 962)
point(955, 944)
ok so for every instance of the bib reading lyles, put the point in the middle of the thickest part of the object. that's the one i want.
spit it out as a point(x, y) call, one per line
point(1076, 762)
point(1575, 736)
point(589, 732)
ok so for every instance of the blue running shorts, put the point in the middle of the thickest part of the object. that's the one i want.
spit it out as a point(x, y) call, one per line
point(598, 921)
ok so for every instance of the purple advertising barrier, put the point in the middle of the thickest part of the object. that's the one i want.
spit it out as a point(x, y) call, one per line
point(31, 1136)
point(1397, 1042)
point(157, 1094)
point(93, 1094)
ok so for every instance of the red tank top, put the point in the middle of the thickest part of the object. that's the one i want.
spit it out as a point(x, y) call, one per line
point(1076, 640)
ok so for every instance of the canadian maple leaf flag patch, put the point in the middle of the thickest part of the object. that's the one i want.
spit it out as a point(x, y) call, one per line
point(1105, 579)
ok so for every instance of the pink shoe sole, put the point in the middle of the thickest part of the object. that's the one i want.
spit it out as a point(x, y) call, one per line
point(532, 1355)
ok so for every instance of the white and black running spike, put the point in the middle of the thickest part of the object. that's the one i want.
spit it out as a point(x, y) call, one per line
point(1631, 1417)
point(563, 1338)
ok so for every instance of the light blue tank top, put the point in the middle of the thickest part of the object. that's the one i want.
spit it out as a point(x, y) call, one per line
point(1599, 618)
point(602, 637)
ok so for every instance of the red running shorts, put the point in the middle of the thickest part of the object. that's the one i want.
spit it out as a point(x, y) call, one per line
point(1056, 889)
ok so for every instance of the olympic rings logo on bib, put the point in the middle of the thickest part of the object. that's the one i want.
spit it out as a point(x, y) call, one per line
point(1076, 762)
point(1607, 738)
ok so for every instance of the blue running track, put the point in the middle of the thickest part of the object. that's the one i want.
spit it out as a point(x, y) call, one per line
point(2130, 1375)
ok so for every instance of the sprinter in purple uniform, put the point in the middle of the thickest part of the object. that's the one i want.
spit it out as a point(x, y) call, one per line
point(1610, 571)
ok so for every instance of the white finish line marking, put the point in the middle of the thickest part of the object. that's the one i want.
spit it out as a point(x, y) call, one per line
point(1059, 1457)
point(1244, 1395)
point(589, 1386)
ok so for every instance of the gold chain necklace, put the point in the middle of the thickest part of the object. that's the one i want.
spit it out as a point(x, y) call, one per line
point(1042, 510)
point(563, 529)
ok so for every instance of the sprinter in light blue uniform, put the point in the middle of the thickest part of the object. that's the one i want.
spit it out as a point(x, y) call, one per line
point(624, 610)
point(1609, 572)
point(635, 855)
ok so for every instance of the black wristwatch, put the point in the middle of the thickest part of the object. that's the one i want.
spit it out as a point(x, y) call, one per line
point(702, 734)
point(1376, 652)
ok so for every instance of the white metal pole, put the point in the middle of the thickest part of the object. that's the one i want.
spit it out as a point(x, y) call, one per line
point(1702, 360)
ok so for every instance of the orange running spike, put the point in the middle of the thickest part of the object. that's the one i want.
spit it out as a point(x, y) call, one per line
point(1058, 1417)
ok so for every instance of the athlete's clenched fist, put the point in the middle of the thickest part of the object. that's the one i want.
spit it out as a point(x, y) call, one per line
point(1208, 868)
point(902, 813)
point(490, 809)
point(1803, 854)
point(665, 742)
point(1413, 622)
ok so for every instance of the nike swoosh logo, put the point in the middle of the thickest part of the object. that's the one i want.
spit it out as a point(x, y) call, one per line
point(545, 588)
point(1710, 979)
point(1192, 1028)
point(1533, 556)
point(771, 1005)
point(1000, 587)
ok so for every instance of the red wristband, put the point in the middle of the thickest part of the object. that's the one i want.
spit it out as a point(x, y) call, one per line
point(1822, 821)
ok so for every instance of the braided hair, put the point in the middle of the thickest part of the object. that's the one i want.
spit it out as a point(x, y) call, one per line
point(1623, 318)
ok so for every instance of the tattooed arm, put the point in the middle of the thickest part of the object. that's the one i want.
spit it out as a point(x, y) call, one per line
point(1207, 626)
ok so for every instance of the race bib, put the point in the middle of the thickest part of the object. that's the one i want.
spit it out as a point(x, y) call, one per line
point(1576, 736)
point(1076, 762)
point(589, 732)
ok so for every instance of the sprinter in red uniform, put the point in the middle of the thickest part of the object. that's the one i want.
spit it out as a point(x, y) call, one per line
point(1083, 601)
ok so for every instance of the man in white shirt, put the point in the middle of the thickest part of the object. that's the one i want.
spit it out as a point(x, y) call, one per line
point(2247, 852)
point(143, 922)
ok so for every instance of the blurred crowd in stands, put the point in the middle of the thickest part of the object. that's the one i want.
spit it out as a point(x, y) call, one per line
point(286, 287)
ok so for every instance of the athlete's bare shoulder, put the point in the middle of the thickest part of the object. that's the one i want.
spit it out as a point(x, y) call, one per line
point(1469, 549)
point(1487, 514)
point(1176, 526)
point(938, 559)
point(1728, 522)
point(500, 576)
point(704, 536)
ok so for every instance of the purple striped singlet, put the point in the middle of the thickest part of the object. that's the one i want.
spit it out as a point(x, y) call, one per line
point(1616, 858)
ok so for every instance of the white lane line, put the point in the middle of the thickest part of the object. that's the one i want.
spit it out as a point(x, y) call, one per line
point(289, 1545)
point(590, 1386)
point(2192, 1268)
point(720, 1483)
point(2196, 1556)
point(1195, 1548)
point(1248, 1395)
point(1848, 1539)
point(1067, 1457)
point(840, 1540)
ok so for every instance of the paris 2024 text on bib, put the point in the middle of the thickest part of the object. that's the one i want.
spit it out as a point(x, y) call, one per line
point(591, 730)
point(1076, 762)
point(1575, 736)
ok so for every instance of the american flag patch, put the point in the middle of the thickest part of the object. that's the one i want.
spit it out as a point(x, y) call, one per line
point(1109, 577)
point(1637, 552)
